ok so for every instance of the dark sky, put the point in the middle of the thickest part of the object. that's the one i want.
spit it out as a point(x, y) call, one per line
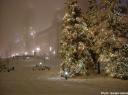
point(17, 16)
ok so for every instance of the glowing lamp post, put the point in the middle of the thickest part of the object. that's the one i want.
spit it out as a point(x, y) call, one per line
point(38, 50)
point(40, 63)
point(54, 52)
point(13, 55)
point(50, 48)
point(32, 34)
point(47, 58)
point(66, 75)
point(17, 54)
point(26, 53)
point(33, 52)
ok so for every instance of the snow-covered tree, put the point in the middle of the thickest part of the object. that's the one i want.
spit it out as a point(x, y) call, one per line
point(118, 64)
point(75, 41)
point(106, 50)
point(91, 40)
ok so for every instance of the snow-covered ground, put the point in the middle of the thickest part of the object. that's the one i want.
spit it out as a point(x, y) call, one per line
point(24, 81)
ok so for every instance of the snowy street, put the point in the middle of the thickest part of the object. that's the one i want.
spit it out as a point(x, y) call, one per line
point(24, 81)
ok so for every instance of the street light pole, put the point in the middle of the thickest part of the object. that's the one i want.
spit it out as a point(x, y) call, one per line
point(50, 50)
point(38, 50)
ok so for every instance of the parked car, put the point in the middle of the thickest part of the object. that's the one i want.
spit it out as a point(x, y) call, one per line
point(6, 67)
point(40, 67)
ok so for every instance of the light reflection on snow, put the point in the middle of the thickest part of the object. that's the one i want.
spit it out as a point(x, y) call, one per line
point(55, 78)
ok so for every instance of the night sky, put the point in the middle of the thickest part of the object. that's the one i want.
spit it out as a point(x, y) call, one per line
point(18, 16)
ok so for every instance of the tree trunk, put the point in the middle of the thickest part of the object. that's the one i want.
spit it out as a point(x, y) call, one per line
point(98, 68)
point(95, 60)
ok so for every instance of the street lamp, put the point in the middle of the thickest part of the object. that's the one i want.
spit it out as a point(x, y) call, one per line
point(50, 51)
point(38, 49)
point(17, 54)
point(40, 63)
point(50, 48)
point(26, 53)
point(32, 32)
point(12, 55)
point(47, 58)
point(66, 74)
point(54, 52)
point(33, 52)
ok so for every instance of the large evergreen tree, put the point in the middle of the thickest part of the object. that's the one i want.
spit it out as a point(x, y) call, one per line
point(98, 43)
point(107, 48)
point(75, 41)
